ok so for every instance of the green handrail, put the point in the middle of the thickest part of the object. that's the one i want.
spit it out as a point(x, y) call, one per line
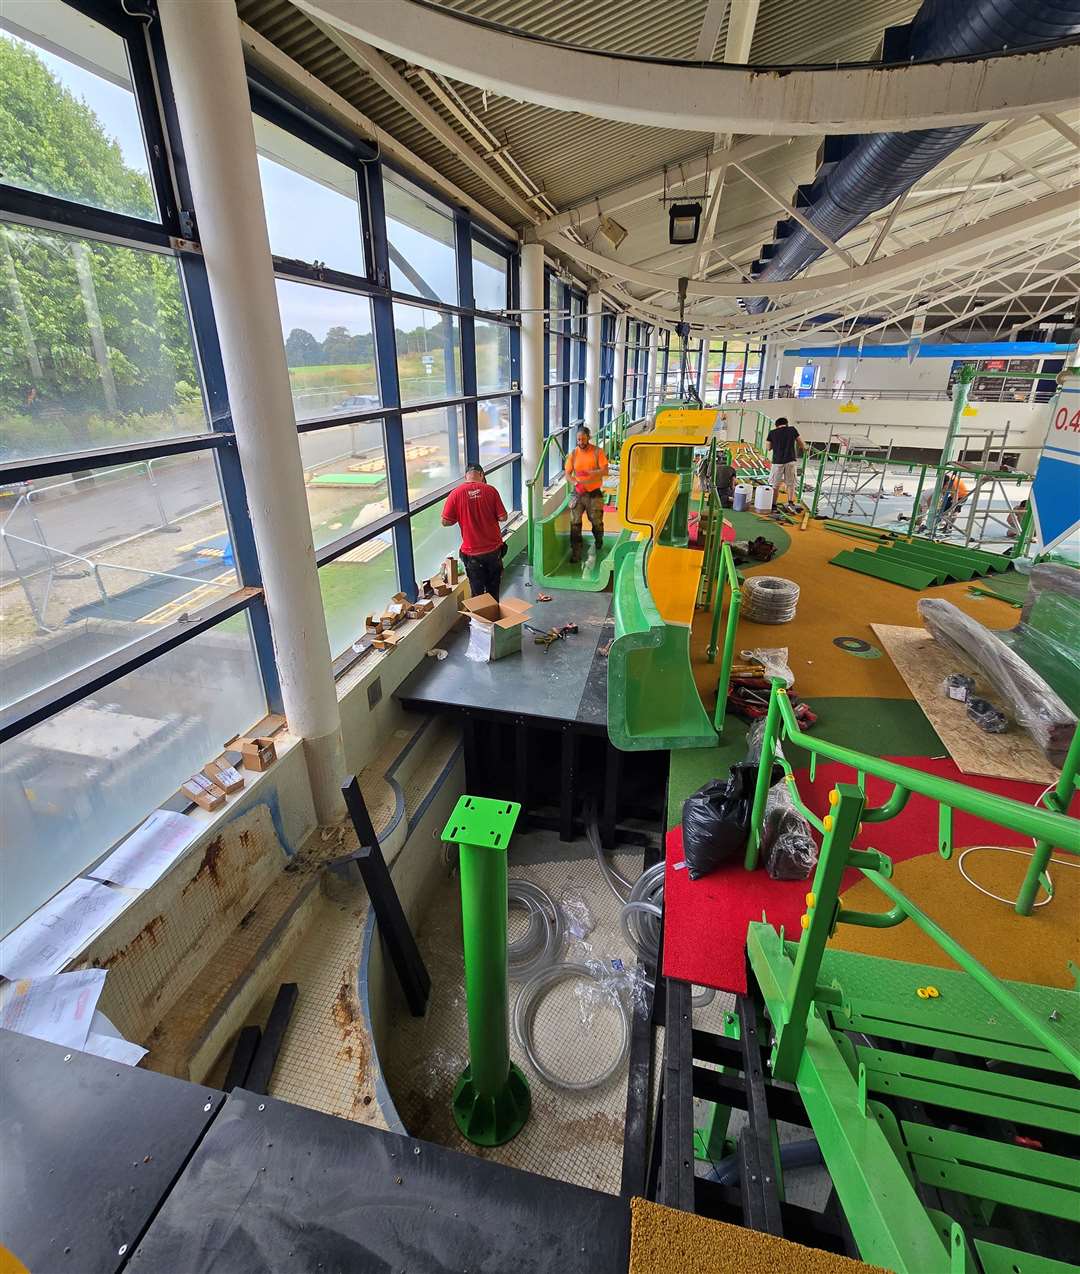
point(1042, 825)
point(531, 482)
point(734, 585)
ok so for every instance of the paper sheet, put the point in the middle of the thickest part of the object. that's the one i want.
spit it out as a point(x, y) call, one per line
point(58, 1009)
point(60, 929)
point(149, 851)
point(114, 1049)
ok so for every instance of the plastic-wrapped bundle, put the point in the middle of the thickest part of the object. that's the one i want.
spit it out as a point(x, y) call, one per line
point(788, 848)
point(1037, 707)
point(769, 599)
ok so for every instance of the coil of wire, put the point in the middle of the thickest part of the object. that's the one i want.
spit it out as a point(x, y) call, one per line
point(539, 945)
point(768, 599)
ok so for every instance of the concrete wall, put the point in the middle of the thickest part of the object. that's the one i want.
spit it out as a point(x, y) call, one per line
point(907, 423)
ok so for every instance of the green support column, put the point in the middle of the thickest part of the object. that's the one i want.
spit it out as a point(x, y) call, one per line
point(491, 1099)
point(1059, 800)
point(961, 389)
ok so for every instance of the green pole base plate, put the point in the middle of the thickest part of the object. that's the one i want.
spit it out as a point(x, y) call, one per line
point(491, 1121)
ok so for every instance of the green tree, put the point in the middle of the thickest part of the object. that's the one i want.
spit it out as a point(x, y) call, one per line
point(93, 334)
point(302, 349)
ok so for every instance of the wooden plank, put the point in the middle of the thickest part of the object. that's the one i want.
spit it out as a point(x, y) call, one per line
point(924, 665)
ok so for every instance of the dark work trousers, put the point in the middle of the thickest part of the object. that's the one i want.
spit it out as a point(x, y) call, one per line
point(484, 573)
point(591, 504)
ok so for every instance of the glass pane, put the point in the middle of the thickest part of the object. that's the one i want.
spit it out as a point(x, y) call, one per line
point(428, 354)
point(312, 211)
point(356, 585)
point(432, 541)
point(71, 124)
point(492, 356)
point(330, 348)
point(95, 347)
point(65, 796)
point(493, 420)
point(503, 481)
point(423, 261)
point(434, 448)
point(90, 564)
point(555, 420)
point(345, 477)
point(488, 278)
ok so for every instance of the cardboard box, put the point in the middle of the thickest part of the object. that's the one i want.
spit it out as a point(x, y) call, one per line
point(206, 795)
point(226, 776)
point(258, 753)
point(450, 570)
point(494, 627)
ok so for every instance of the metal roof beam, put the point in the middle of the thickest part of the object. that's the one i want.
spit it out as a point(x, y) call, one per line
point(710, 97)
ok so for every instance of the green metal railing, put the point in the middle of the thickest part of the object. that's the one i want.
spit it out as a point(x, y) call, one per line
point(734, 590)
point(532, 513)
point(1049, 827)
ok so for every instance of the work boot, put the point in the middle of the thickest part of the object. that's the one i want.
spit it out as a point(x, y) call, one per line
point(599, 540)
point(575, 547)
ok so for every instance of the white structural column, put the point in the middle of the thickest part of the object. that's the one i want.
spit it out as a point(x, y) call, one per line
point(532, 362)
point(653, 396)
point(207, 67)
point(703, 363)
point(620, 366)
point(593, 323)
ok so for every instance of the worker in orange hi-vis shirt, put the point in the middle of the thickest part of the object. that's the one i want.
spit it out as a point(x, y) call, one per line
point(586, 468)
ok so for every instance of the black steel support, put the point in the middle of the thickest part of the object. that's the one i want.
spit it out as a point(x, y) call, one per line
point(247, 1042)
point(521, 766)
point(609, 814)
point(760, 1193)
point(266, 1055)
point(390, 916)
point(566, 794)
point(677, 1164)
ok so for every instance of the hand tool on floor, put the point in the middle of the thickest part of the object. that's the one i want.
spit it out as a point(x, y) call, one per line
point(547, 637)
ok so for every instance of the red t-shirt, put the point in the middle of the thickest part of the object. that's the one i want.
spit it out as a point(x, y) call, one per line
point(477, 508)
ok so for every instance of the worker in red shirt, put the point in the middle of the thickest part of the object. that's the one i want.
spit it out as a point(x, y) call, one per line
point(478, 509)
point(586, 468)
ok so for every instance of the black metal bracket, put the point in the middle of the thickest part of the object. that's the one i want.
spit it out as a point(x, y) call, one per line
point(389, 913)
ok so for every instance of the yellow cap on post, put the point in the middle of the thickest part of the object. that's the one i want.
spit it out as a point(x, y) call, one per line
point(810, 899)
point(826, 822)
point(804, 920)
point(834, 797)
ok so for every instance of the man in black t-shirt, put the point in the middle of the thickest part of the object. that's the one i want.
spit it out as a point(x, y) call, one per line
point(785, 444)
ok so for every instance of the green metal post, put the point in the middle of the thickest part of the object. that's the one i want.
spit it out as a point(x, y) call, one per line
point(765, 766)
point(491, 1099)
point(734, 603)
point(915, 508)
point(817, 484)
point(802, 474)
point(1027, 525)
point(961, 389)
point(1058, 800)
point(841, 825)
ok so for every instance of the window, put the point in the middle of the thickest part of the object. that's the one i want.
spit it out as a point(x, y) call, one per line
point(345, 479)
point(494, 429)
point(423, 260)
point(489, 278)
point(330, 349)
point(503, 481)
point(355, 585)
point(73, 785)
point(71, 121)
point(95, 347)
point(434, 449)
point(428, 354)
point(492, 356)
point(312, 209)
point(432, 542)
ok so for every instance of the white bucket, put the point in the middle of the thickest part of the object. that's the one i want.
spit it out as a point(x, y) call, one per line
point(763, 498)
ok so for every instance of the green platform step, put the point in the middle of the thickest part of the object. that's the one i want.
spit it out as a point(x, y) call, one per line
point(921, 564)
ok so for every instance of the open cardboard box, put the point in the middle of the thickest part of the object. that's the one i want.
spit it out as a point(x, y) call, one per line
point(494, 627)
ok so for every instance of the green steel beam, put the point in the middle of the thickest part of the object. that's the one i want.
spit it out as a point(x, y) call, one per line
point(867, 563)
point(973, 1089)
point(888, 1222)
point(996, 1259)
point(997, 1187)
point(961, 389)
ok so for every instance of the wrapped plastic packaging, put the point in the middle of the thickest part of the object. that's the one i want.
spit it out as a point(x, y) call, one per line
point(1037, 707)
point(788, 848)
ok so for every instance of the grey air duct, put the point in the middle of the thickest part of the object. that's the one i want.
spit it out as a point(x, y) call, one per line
point(863, 174)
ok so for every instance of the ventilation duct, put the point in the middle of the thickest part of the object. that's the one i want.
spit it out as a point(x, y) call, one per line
point(860, 175)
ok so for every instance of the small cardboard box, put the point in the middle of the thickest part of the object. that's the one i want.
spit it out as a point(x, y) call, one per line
point(494, 627)
point(258, 753)
point(202, 792)
point(227, 777)
point(450, 571)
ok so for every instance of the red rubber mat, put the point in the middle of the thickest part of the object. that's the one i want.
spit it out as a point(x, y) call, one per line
point(705, 920)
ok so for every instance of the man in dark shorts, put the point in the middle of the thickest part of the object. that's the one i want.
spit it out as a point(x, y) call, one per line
point(786, 446)
point(478, 509)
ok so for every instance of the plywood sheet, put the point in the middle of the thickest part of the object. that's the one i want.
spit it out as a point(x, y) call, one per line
point(924, 665)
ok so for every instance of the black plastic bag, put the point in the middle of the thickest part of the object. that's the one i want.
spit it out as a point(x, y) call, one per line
point(716, 819)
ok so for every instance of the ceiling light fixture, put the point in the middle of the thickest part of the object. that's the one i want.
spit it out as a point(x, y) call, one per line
point(684, 222)
point(612, 231)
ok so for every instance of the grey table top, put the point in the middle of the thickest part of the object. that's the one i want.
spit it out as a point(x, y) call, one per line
point(566, 682)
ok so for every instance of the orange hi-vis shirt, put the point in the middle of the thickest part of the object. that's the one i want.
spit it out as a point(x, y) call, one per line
point(586, 468)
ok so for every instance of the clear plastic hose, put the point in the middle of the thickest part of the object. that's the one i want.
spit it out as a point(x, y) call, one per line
point(541, 942)
point(525, 1008)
